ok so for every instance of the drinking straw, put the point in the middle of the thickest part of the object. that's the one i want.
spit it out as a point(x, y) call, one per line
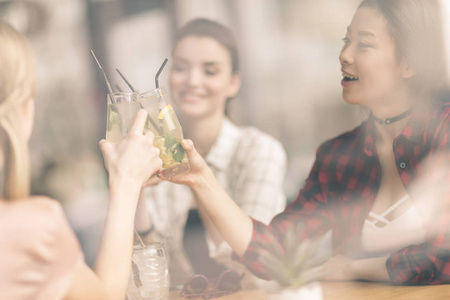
point(111, 93)
point(126, 81)
point(159, 71)
point(134, 267)
point(158, 128)
point(141, 243)
point(156, 80)
point(118, 88)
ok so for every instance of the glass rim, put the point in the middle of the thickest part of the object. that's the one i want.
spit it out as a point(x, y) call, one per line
point(152, 245)
point(121, 97)
point(156, 91)
point(123, 93)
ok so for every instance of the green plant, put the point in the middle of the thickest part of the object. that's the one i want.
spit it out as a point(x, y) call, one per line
point(295, 263)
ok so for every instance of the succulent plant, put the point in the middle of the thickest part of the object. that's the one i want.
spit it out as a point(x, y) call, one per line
point(296, 263)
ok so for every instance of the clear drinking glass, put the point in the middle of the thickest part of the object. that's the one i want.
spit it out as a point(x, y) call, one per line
point(150, 274)
point(120, 115)
point(167, 130)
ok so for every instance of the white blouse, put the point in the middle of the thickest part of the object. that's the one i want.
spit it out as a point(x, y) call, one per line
point(382, 237)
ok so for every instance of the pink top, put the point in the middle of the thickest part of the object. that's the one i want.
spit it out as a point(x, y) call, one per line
point(39, 252)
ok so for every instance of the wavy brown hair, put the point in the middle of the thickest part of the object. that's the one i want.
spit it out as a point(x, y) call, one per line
point(201, 27)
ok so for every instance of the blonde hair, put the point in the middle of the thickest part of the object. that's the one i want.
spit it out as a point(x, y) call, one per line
point(16, 87)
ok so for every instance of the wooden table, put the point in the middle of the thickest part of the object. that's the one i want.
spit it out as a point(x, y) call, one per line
point(354, 290)
point(370, 290)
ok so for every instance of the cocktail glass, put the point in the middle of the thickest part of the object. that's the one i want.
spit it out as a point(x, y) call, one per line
point(121, 113)
point(150, 279)
point(165, 126)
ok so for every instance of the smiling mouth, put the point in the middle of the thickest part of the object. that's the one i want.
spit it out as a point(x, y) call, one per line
point(347, 77)
point(190, 96)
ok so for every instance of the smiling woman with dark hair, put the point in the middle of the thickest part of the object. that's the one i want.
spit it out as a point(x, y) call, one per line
point(248, 163)
point(364, 183)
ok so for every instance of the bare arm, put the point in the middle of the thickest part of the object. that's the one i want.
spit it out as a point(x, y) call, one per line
point(114, 258)
point(143, 221)
point(230, 221)
point(210, 229)
point(129, 163)
point(372, 269)
point(342, 268)
point(256, 183)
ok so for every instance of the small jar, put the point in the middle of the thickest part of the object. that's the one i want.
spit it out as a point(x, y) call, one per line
point(150, 274)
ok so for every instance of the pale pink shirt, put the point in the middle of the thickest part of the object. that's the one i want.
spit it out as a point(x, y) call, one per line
point(39, 252)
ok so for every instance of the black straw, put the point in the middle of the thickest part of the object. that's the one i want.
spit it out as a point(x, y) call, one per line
point(132, 88)
point(159, 71)
point(111, 93)
point(126, 81)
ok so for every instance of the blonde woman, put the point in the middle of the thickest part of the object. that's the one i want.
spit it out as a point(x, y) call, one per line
point(40, 257)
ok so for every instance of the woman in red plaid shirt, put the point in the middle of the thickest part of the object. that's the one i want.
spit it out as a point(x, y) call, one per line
point(382, 188)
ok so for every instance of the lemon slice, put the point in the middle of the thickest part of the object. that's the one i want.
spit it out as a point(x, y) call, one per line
point(164, 111)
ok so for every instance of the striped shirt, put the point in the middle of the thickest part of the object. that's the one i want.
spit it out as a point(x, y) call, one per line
point(249, 164)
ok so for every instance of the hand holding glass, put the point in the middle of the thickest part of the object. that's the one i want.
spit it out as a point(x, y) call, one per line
point(164, 124)
point(120, 115)
point(161, 120)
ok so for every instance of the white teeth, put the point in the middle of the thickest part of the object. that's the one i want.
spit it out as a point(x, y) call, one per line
point(345, 75)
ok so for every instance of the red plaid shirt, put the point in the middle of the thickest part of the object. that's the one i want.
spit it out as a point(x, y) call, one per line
point(341, 189)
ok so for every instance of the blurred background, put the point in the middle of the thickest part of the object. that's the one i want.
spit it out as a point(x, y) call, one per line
point(290, 70)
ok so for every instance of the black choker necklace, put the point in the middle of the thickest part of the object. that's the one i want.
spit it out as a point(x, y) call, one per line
point(388, 121)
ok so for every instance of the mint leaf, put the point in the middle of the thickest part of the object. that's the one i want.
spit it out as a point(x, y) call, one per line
point(170, 141)
point(178, 153)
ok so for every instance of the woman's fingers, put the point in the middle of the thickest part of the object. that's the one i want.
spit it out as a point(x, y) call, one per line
point(101, 144)
point(105, 147)
point(139, 122)
point(188, 145)
point(196, 163)
point(154, 179)
point(149, 135)
point(134, 156)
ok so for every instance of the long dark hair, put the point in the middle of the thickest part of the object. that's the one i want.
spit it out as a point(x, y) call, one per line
point(417, 29)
